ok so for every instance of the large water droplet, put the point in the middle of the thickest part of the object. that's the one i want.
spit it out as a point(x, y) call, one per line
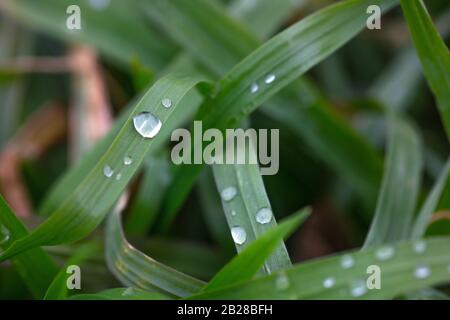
point(282, 281)
point(108, 171)
point(127, 160)
point(329, 282)
point(4, 234)
point(270, 78)
point(385, 253)
point(147, 125)
point(228, 193)
point(239, 235)
point(420, 246)
point(264, 215)
point(254, 88)
point(99, 4)
point(347, 262)
point(167, 103)
point(358, 288)
point(422, 271)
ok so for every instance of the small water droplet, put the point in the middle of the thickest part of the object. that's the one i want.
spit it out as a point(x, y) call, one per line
point(4, 234)
point(239, 235)
point(264, 215)
point(128, 292)
point(269, 79)
point(147, 125)
point(99, 4)
point(329, 282)
point(282, 281)
point(448, 268)
point(420, 247)
point(127, 160)
point(422, 271)
point(167, 103)
point(108, 171)
point(233, 213)
point(228, 194)
point(118, 176)
point(254, 88)
point(347, 262)
point(358, 288)
point(385, 253)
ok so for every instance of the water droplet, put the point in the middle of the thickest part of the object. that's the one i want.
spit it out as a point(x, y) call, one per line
point(167, 103)
point(358, 288)
point(385, 253)
point(4, 234)
point(420, 247)
point(233, 213)
point(118, 176)
point(282, 281)
point(422, 271)
point(228, 193)
point(269, 79)
point(128, 292)
point(329, 282)
point(108, 171)
point(127, 161)
point(347, 261)
point(264, 215)
point(254, 88)
point(448, 268)
point(147, 125)
point(239, 235)
point(99, 4)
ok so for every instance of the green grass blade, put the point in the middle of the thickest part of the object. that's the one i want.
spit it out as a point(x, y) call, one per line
point(400, 186)
point(431, 203)
point(433, 54)
point(87, 205)
point(306, 280)
point(251, 259)
point(134, 268)
point(35, 266)
point(121, 294)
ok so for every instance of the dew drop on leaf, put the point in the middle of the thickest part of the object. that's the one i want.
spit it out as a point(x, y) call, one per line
point(420, 247)
point(422, 271)
point(108, 171)
point(127, 292)
point(99, 4)
point(269, 79)
point(166, 102)
point(147, 125)
point(282, 281)
point(228, 194)
point(254, 88)
point(4, 234)
point(264, 215)
point(239, 235)
point(329, 282)
point(347, 262)
point(358, 288)
point(118, 176)
point(233, 213)
point(385, 253)
point(127, 161)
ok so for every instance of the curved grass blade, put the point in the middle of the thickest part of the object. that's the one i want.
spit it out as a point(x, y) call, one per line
point(398, 195)
point(325, 278)
point(433, 54)
point(35, 266)
point(121, 294)
point(87, 205)
point(251, 259)
point(134, 268)
point(431, 203)
point(117, 32)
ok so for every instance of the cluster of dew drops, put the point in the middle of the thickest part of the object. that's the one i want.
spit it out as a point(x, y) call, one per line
point(146, 125)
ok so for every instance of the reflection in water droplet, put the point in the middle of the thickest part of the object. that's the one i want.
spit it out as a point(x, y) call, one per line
point(420, 246)
point(254, 88)
point(127, 161)
point(239, 235)
point(108, 171)
point(4, 234)
point(282, 281)
point(422, 272)
point(329, 282)
point(347, 261)
point(228, 193)
point(385, 253)
point(264, 215)
point(358, 288)
point(167, 103)
point(147, 125)
point(269, 79)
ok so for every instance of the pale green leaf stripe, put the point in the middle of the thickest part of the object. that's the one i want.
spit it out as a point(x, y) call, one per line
point(121, 294)
point(242, 209)
point(35, 267)
point(306, 280)
point(118, 32)
point(433, 54)
point(400, 186)
point(251, 259)
point(431, 203)
point(89, 202)
point(134, 268)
